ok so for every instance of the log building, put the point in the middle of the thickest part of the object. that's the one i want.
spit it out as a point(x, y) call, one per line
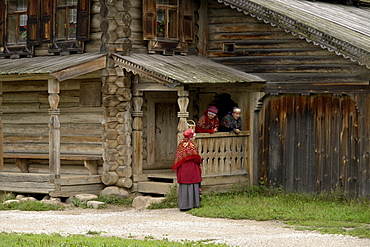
point(96, 93)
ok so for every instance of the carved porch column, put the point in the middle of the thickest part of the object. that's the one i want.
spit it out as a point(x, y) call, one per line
point(183, 114)
point(137, 133)
point(54, 130)
point(1, 130)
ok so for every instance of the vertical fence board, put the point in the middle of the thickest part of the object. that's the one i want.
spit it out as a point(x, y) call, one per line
point(316, 143)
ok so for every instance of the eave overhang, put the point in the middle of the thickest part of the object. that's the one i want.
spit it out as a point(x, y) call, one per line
point(51, 67)
point(346, 31)
point(175, 70)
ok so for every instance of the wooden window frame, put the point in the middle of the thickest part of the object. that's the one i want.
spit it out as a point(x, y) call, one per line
point(16, 50)
point(67, 28)
point(49, 27)
point(41, 29)
point(185, 28)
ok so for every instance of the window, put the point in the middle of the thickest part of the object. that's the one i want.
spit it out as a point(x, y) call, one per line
point(64, 24)
point(167, 19)
point(17, 22)
point(168, 25)
point(66, 19)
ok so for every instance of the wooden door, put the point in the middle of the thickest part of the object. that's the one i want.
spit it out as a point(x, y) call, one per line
point(162, 130)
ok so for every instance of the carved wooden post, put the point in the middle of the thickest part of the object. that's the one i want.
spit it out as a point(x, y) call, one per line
point(1, 130)
point(137, 133)
point(54, 130)
point(183, 114)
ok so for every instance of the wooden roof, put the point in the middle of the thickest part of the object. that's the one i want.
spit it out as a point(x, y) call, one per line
point(175, 70)
point(59, 67)
point(340, 28)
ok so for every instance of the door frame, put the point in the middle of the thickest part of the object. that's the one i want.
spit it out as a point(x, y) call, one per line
point(151, 101)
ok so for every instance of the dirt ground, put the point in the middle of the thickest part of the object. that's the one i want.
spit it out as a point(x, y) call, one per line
point(168, 224)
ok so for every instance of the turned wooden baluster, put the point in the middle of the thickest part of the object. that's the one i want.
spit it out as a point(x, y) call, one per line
point(137, 133)
point(54, 130)
point(183, 114)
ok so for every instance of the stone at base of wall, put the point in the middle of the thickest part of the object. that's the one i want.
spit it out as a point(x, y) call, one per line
point(143, 202)
point(115, 191)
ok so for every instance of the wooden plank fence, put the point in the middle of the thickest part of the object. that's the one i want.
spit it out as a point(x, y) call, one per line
point(315, 143)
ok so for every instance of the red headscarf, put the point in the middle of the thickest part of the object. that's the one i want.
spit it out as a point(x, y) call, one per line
point(186, 150)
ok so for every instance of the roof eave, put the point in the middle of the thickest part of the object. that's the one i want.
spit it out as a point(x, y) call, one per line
point(303, 31)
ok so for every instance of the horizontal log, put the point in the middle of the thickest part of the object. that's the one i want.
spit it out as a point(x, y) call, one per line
point(124, 183)
point(110, 178)
point(27, 187)
point(96, 148)
point(46, 156)
point(9, 118)
point(67, 191)
point(71, 129)
point(124, 171)
point(222, 135)
point(81, 180)
point(23, 177)
point(29, 138)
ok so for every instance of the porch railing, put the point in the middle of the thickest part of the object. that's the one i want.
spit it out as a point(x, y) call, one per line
point(223, 153)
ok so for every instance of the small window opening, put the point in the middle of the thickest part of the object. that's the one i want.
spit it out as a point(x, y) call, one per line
point(228, 48)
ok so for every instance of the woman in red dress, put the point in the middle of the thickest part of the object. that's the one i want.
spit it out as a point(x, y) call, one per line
point(208, 122)
point(188, 171)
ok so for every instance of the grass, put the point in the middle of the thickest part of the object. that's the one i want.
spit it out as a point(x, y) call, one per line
point(26, 205)
point(56, 240)
point(332, 212)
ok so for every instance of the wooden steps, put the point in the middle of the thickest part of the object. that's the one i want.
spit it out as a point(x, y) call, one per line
point(158, 183)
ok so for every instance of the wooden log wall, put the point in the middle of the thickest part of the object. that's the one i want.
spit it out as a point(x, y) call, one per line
point(117, 128)
point(255, 47)
point(115, 24)
point(316, 143)
point(26, 119)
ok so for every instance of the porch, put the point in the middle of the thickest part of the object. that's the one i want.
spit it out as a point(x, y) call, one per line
point(225, 163)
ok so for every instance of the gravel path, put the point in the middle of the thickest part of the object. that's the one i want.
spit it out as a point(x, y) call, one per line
point(168, 224)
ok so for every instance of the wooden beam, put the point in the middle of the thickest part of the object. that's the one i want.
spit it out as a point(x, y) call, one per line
point(25, 77)
point(80, 69)
point(154, 87)
point(183, 114)
point(137, 133)
point(54, 130)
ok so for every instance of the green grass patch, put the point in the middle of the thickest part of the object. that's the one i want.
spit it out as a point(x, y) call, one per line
point(170, 200)
point(56, 240)
point(109, 199)
point(327, 213)
point(30, 206)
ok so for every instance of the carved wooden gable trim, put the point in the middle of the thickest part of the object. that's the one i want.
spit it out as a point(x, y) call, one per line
point(344, 48)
